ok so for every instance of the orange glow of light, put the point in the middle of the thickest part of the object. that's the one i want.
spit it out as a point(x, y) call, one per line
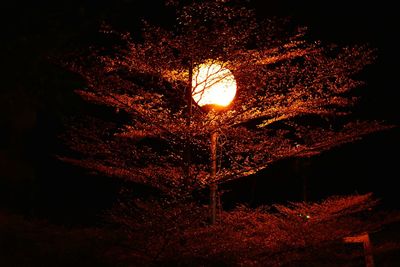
point(213, 84)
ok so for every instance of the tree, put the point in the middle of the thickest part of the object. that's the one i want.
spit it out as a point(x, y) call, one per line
point(294, 100)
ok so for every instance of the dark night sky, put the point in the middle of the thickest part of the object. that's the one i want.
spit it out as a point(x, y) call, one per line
point(36, 94)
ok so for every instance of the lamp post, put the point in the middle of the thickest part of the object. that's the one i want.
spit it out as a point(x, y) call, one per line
point(212, 84)
point(213, 185)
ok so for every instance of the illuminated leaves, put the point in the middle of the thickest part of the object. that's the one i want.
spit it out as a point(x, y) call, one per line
point(284, 84)
point(294, 99)
point(298, 233)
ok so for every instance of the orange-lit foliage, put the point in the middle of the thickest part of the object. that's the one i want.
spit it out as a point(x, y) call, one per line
point(299, 234)
point(294, 98)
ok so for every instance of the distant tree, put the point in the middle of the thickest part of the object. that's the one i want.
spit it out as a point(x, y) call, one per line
point(294, 98)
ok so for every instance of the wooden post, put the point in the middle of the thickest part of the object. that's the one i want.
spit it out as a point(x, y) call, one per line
point(364, 239)
point(213, 186)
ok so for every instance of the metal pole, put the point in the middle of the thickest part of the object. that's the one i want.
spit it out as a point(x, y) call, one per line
point(186, 153)
point(213, 185)
point(189, 93)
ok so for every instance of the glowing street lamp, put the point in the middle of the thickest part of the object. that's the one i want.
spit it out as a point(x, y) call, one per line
point(212, 84)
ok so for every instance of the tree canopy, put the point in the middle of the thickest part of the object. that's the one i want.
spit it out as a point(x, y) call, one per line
point(294, 97)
